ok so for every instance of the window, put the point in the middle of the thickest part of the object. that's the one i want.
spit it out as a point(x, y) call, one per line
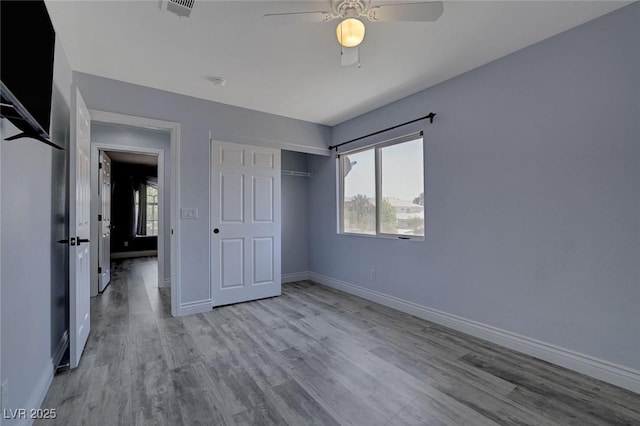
point(152, 210)
point(147, 224)
point(382, 189)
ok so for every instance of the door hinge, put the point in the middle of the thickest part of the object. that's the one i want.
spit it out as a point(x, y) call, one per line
point(99, 270)
point(99, 218)
point(100, 165)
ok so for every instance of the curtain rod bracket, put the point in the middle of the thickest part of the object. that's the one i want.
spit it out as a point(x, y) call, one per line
point(430, 116)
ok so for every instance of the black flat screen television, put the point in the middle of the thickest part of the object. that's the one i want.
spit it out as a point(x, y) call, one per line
point(26, 67)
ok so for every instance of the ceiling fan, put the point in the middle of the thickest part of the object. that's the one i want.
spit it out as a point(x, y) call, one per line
point(350, 30)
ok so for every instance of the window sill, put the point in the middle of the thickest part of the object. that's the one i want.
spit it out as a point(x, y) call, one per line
point(386, 236)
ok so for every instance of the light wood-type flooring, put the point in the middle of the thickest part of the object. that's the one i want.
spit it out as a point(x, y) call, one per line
point(313, 356)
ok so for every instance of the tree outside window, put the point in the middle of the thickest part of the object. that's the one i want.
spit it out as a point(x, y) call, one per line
point(382, 189)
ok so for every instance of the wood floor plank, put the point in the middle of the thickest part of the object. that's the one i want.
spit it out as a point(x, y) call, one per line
point(302, 408)
point(552, 397)
point(343, 389)
point(428, 411)
point(480, 398)
point(313, 356)
point(506, 363)
point(198, 404)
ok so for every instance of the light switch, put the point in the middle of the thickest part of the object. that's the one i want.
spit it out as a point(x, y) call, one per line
point(188, 213)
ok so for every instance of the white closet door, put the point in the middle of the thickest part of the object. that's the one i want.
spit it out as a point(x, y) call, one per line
point(245, 223)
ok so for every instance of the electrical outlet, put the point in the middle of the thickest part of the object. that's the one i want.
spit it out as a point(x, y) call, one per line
point(4, 391)
point(373, 274)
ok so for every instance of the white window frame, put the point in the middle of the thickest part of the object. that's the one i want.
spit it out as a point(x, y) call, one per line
point(378, 187)
point(154, 222)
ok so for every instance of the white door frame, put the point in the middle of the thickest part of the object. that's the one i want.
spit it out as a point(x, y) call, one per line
point(96, 147)
point(174, 193)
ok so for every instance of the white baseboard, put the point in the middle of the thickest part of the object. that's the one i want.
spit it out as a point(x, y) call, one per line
point(196, 307)
point(36, 398)
point(132, 254)
point(166, 283)
point(618, 375)
point(296, 276)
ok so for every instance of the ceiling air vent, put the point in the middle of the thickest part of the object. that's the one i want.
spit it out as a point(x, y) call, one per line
point(180, 7)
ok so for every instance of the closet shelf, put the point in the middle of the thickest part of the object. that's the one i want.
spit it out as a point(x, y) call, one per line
point(296, 173)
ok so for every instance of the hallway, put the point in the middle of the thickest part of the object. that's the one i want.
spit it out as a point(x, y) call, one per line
point(124, 334)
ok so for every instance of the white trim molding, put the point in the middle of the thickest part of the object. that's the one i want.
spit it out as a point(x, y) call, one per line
point(295, 276)
point(269, 143)
point(606, 371)
point(197, 307)
point(174, 185)
point(166, 283)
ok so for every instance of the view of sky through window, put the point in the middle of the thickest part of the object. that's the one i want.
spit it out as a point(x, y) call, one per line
point(401, 172)
point(402, 168)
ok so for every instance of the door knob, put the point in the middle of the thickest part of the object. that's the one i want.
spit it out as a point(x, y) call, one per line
point(215, 231)
point(82, 240)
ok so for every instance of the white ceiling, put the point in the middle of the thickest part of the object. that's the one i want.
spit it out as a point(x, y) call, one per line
point(294, 70)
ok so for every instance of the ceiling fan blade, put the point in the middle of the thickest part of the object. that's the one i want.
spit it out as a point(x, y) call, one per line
point(298, 17)
point(349, 56)
point(407, 12)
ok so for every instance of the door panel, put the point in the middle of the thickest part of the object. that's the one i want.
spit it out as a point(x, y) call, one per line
point(245, 197)
point(263, 199)
point(231, 156)
point(232, 267)
point(263, 159)
point(263, 260)
point(232, 194)
point(79, 217)
point(104, 245)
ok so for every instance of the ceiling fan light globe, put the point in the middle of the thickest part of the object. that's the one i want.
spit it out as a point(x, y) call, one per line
point(350, 32)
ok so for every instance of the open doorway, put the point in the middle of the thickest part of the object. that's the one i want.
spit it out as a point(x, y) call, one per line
point(114, 132)
point(130, 213)
point(132, 204)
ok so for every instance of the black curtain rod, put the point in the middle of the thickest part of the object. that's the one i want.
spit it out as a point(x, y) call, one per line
point(429, 116)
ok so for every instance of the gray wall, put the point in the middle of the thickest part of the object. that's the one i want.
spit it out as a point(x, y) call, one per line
point(532, 179)
point(143, 138)
point(295, 223)
point(33, 314)
point(197, 118)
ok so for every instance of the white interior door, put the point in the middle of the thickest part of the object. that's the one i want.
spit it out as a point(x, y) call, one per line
point(245, 222)
point(79, 212)
point(104, 243)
